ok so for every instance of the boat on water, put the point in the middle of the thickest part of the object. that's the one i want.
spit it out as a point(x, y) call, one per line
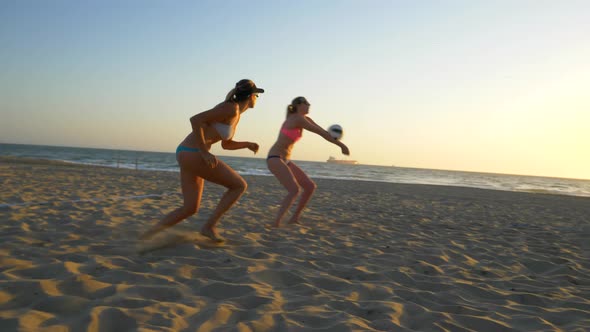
point(342, 161)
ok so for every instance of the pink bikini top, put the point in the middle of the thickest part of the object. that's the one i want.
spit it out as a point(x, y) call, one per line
point(294, 134)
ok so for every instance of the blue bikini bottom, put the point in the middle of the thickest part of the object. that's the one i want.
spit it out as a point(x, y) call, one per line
point(181, 148)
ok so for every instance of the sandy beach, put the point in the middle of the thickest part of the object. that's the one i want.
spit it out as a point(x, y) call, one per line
point(371, 257)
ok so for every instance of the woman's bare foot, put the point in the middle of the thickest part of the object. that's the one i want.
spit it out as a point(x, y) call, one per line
point(273, 225)
point(212, 234)
point(295, 222)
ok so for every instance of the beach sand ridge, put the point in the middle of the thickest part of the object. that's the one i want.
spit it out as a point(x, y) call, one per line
point(370, 257)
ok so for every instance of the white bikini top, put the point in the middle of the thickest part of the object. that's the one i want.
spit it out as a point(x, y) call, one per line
point(225, 131)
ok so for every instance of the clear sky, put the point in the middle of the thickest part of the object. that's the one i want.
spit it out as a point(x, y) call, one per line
point(489, 86)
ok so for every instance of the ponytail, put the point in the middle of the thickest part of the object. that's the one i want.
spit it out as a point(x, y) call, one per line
point(231, 95)
point(291, 109)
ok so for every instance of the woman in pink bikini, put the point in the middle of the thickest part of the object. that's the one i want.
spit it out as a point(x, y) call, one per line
point(289, 174)
point(197, 164)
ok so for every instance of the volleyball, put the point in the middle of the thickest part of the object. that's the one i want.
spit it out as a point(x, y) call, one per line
point(335, 131)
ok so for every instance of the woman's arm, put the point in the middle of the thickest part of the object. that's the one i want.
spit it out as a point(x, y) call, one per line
point(233, 145)
point(198, 122)
point(218, 113)
point(307, 123)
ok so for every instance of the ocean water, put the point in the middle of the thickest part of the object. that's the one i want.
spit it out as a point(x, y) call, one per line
point(160, 161)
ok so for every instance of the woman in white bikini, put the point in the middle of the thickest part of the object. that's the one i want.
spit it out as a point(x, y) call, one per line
point(289, 174)
point(198, 164)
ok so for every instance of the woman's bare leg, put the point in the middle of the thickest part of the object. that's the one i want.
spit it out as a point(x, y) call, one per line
point(286, 178)
point(223, 175)
point(192, 191)
point(308, 187)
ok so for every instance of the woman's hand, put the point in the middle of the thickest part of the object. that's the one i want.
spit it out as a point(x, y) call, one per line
point(345, 150)
point(210, 159)
point(253, 147)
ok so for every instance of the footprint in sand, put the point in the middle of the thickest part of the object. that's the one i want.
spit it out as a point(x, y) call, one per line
point(171, 240)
